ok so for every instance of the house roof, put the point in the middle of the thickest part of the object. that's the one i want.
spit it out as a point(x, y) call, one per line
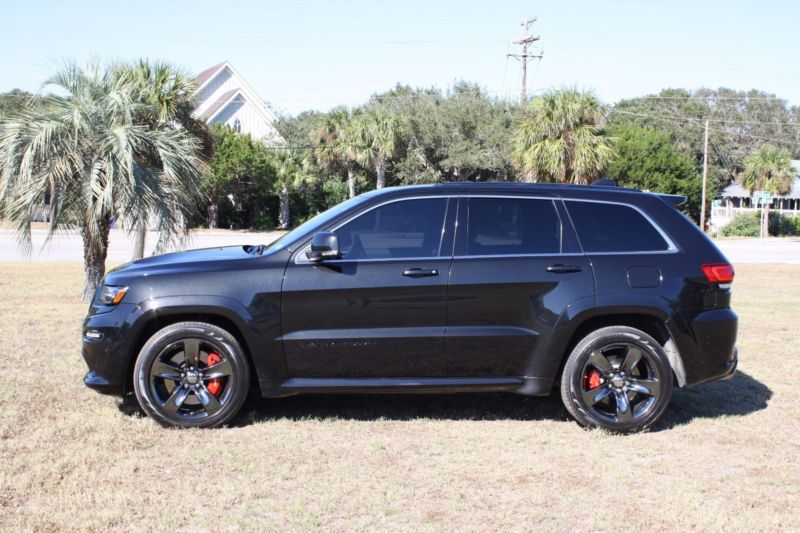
point(207, 74)
point(218, 104)
point(735, 190)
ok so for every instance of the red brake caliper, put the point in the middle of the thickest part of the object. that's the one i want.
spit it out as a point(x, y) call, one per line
point(215, 384)
point(592, 379)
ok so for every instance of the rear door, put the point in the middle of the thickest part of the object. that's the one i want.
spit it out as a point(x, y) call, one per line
point(515, 270)
point(380, 310)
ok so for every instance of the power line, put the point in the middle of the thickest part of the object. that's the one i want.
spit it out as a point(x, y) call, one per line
point(691, 122)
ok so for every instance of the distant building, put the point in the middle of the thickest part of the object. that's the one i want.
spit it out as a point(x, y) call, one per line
point(223, 97)
point(736, 199)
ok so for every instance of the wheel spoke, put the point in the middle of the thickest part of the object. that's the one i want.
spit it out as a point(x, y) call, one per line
point(209, 401)
point(218, 370)
point(623, 407)
point(191, 351)
point(632, 358)
point(599, 361)
point(651, 387)
point(591, 397)
point(165, 370)
point(175, 401)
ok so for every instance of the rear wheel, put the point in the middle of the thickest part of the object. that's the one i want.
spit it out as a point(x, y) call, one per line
point(191, 374)
point(617, 378)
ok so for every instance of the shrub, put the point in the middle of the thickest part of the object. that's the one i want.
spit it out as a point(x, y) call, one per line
point(743, 225)
point(749, 225)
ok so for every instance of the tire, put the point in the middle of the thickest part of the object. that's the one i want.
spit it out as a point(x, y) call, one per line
point(191, 375)
point(617, 378)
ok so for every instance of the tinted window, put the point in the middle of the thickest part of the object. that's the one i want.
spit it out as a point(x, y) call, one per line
point(408, 228)
point(614, 228)
point(499, 226)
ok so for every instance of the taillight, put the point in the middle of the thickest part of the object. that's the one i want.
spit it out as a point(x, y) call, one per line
point(718, 272)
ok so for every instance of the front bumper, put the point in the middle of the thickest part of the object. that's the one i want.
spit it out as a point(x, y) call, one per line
point(108, 340)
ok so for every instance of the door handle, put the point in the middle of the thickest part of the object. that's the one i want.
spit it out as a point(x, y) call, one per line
point(563, 269)
point(420, 272)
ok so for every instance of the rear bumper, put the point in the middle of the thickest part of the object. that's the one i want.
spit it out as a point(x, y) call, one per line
point(707, 344)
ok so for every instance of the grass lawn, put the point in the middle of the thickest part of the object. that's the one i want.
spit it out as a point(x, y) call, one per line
point(726, 455)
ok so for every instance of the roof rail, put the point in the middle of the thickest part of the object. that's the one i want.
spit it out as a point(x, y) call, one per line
point(605, 182)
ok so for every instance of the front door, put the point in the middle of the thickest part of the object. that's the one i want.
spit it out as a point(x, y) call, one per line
point(515, 271)
point(380, 310)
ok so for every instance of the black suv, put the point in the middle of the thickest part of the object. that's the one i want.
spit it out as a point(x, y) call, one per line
point(610, 294)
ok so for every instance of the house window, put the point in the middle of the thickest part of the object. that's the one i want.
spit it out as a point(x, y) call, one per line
point(237, 126)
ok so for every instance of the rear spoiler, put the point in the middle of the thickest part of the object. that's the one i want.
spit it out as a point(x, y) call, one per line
point(672, 199)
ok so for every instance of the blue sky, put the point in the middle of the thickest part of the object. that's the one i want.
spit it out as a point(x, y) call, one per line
point(314, 55)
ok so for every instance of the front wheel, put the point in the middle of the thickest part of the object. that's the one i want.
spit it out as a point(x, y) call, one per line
point(191, 374)
point(617, 378)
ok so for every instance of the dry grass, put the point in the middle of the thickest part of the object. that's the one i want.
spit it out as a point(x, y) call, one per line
point(725, 456)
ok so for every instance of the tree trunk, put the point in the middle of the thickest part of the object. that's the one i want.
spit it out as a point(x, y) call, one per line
point(95, 250)
point(140, 238)
point(351, 180)
point(380, 169)
point(213, 215)
point(52, 211)
point(283, 214)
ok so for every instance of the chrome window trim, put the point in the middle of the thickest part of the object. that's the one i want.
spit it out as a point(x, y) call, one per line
point(671, 247)
point(300, 257)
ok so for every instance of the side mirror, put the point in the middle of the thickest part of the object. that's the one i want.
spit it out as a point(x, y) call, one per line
point(324, 245)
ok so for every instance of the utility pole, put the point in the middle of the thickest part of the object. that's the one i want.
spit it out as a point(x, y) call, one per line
point(705, 181)
point(524, 57)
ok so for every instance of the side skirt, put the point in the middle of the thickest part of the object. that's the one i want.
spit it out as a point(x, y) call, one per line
point(292, 386)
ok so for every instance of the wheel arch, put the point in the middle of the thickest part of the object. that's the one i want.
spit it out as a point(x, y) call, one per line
point(651, 322)
point(152, 322)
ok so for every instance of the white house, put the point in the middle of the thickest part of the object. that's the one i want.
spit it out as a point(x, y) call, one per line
point(224, 97)
point(736, 199)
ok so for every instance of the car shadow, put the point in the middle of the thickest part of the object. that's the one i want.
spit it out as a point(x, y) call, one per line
point(739, 396)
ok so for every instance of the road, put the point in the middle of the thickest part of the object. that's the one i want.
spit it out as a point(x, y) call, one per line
point(66, 246)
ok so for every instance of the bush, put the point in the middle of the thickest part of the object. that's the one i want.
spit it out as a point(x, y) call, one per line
point(743, 225)
point(749, 225)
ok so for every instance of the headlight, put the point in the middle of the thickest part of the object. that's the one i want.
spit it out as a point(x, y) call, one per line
point(111, 295)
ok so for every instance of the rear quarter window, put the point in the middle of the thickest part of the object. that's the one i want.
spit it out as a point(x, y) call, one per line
point(603, 227)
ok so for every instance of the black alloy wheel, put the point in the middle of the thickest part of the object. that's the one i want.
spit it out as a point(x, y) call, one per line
point(191, 374)
point(617, 378)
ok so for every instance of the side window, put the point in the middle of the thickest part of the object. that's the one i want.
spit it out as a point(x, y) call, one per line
point(407, 228)
point(614, 228)
point(505, 226)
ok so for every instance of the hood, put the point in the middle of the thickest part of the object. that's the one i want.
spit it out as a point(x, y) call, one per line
point(202, 260)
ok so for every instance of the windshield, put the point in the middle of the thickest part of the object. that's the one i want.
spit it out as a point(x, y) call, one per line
point(314, 223)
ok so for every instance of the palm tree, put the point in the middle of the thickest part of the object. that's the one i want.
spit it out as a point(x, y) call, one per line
point(84, 140)
point(338, 143)
point(559, 139)
point(290, 173)
point(768, 169)
point(166, 92)
point(378, 133)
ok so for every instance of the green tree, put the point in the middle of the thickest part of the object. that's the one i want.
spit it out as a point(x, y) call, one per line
point(14, 101)
point(559, 139)
point(290, 174)
point(768, 169)
point(647, 160)
point(460, 134)
point(338, 144)
point(166, 92)
point(83, 142)
point(377, 132)
point(239, 180)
